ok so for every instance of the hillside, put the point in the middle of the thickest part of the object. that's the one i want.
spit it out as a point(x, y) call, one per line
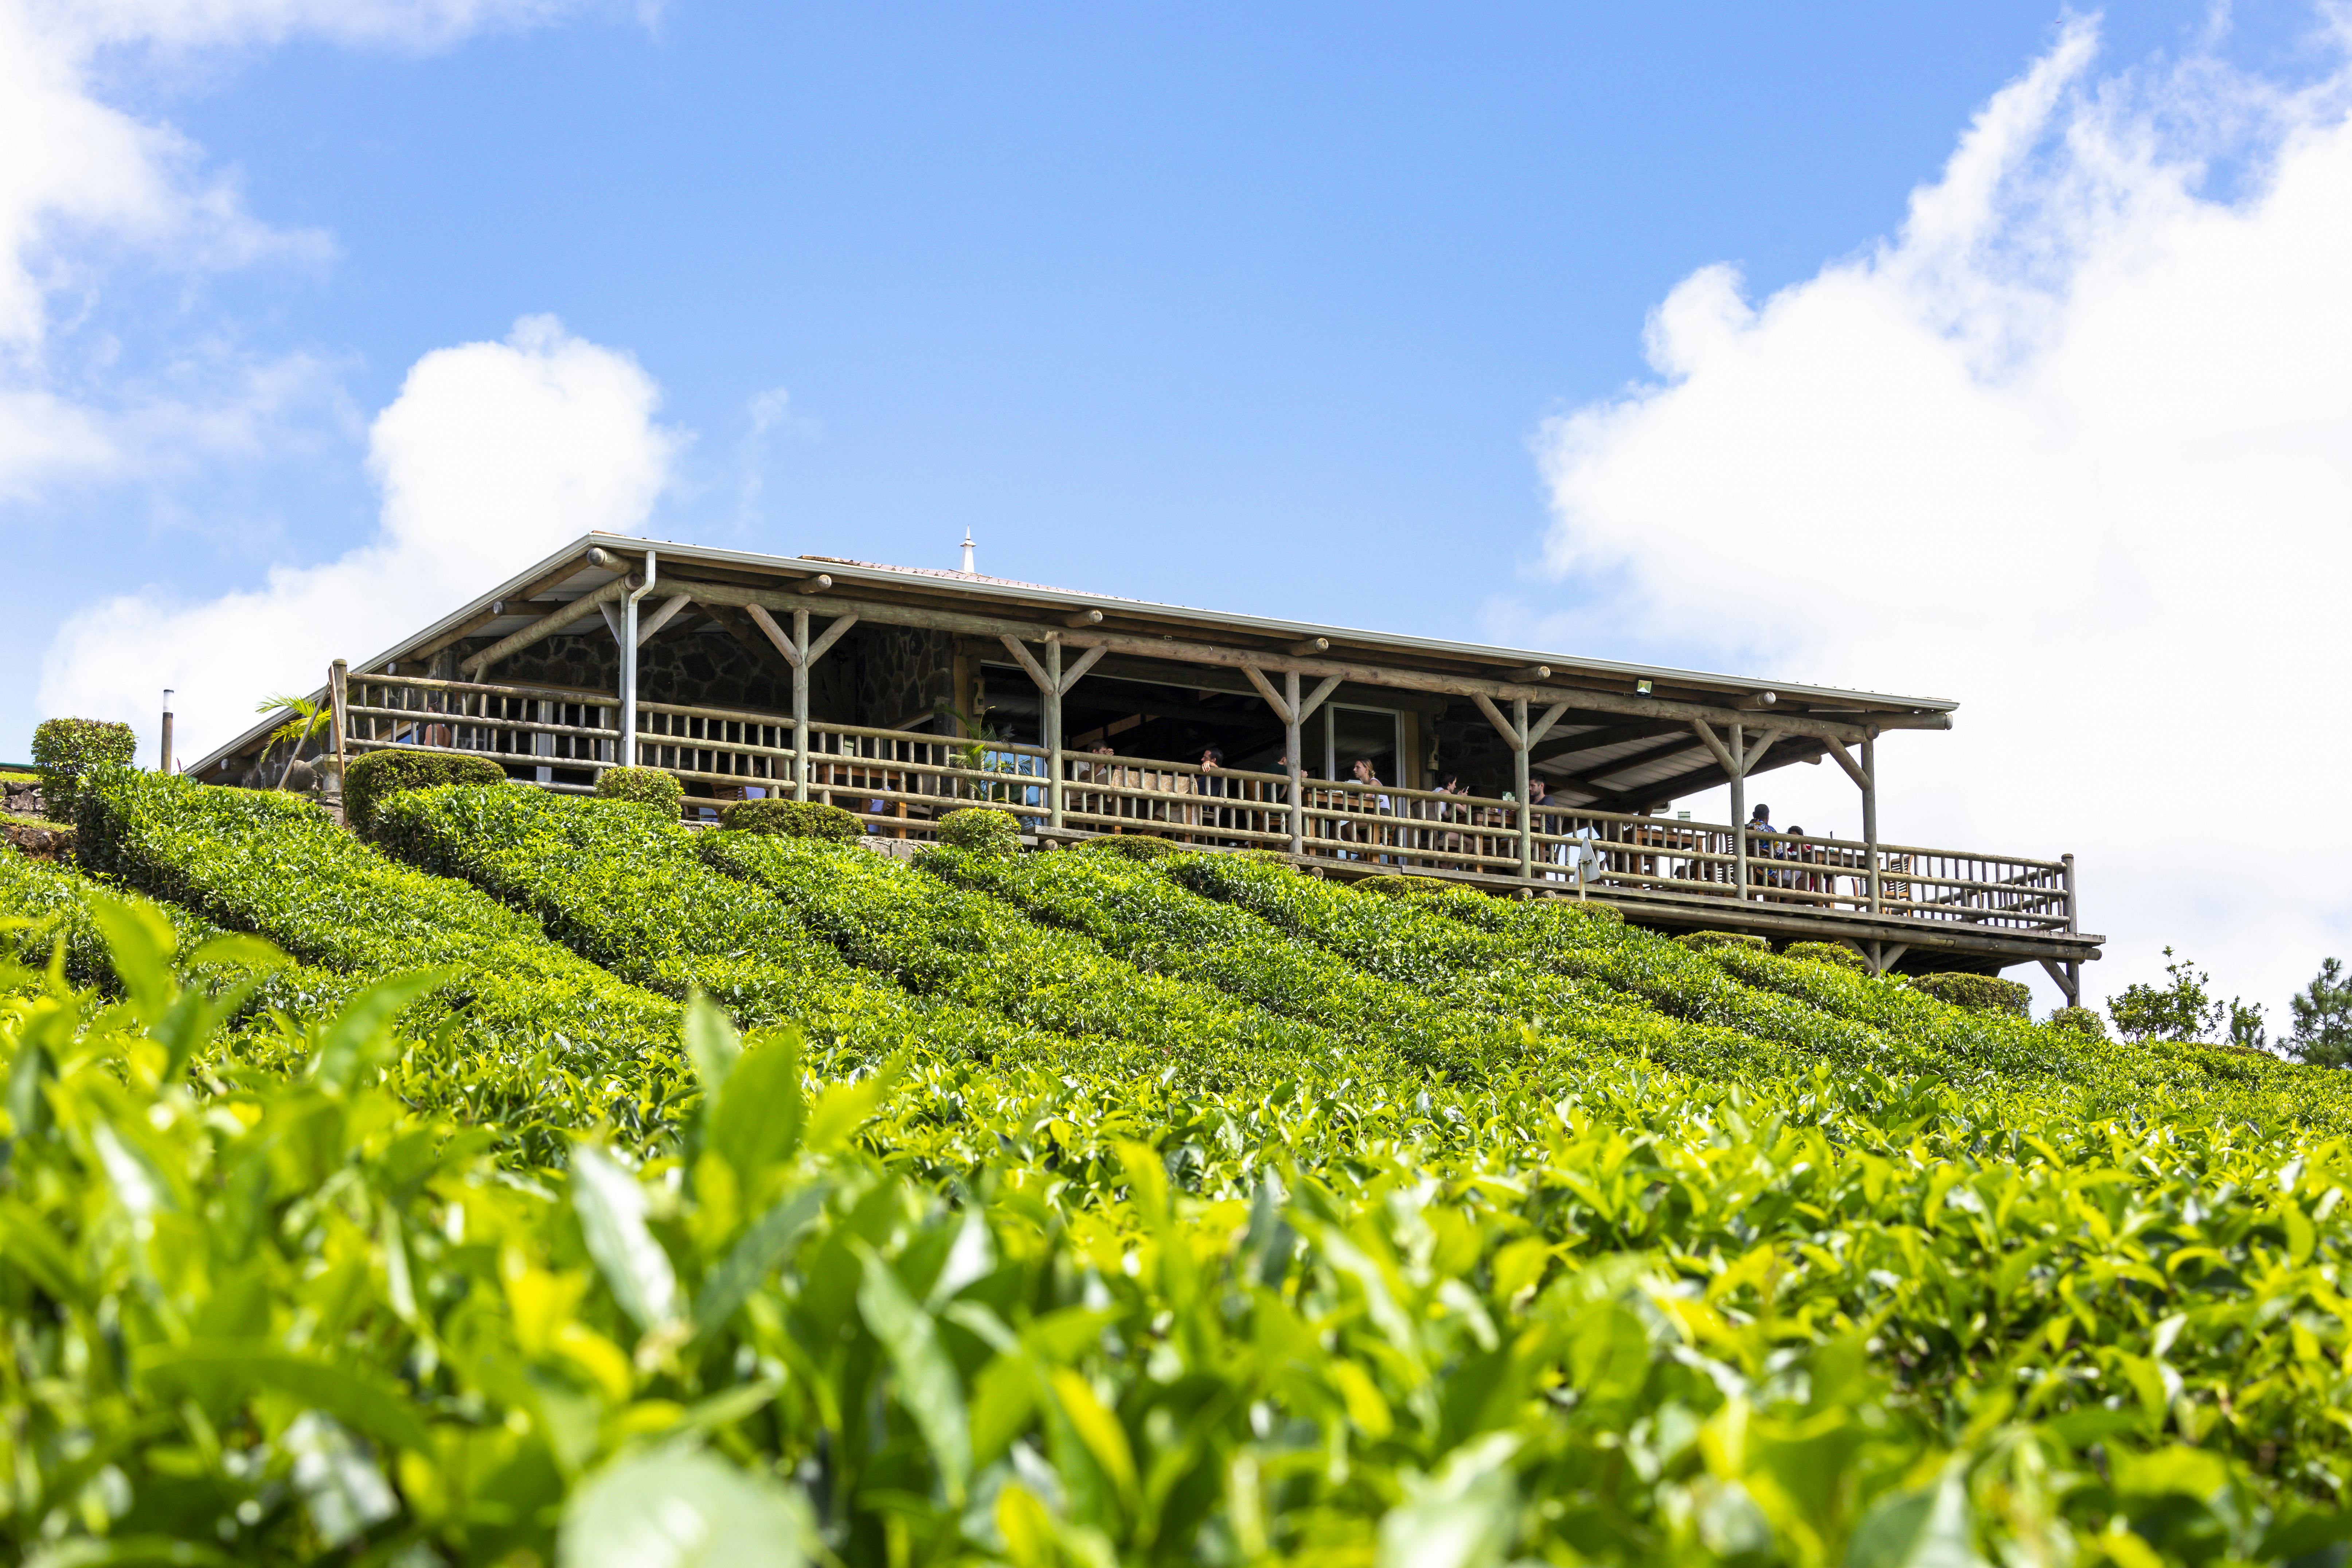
point(582, 1186)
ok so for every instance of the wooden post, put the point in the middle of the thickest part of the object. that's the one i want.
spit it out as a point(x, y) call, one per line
point(164, 763)
point(1294, 741)
point(1870, 813)
point(339, 687)
point(1051, 735)
point(1519, 770)
point(800, 705)
point(2067, 861)
point(1738, 749)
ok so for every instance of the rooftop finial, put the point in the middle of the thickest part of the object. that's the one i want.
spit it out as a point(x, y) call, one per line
point(967, 549)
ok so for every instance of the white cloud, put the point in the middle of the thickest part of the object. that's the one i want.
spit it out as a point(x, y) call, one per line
point(491, 457)
point(85, 187)
point(2075, 447)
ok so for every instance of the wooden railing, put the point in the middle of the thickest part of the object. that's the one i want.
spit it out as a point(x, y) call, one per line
point(901, 781)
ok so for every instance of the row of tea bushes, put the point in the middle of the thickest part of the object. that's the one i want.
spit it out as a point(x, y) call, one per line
point(621, 884)
point(1618, 1317)
point(518, 1031)
point(975, 950)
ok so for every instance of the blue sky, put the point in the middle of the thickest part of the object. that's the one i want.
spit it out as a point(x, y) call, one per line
point(1392, 316)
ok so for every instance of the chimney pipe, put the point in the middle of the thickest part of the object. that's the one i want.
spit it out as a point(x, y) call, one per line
point(967, 549)
point(166, 766)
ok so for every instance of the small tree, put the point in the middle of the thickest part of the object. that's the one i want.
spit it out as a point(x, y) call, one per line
point(2246, 1026)
point(304, 720)
point(2180, 1011)
point(2322, 1018)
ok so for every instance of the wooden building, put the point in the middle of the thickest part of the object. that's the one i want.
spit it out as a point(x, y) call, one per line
point(900, 693)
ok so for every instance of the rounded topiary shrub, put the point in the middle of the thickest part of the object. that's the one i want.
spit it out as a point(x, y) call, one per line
point(981, 831)
point(1270, 858)
point(1703, 939)
point(375, 777)
point(647, 786)
point(1978, 993)
point(1132, 845)
point(2082, 1021)
point(793, 819)
point(1835, 954)
point(64, 750)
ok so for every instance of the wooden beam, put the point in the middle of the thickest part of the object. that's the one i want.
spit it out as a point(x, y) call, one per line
point(1536, 731)
point(736, 625)
point(1755, 754)
point(547, 625)
point(1532, 673)
point(774, 633)
point(1324, 688)
point(816, 584)
point(613, 622)
point(1845, 760)
point(1077, 672)
point(1307, 648)
point(1282, 710)
point(1084, 618)
point(830, 636)
point(1580, 699)
point(1731, 769)
point(1020, 650)
point(1511, 737)
point(662, 617)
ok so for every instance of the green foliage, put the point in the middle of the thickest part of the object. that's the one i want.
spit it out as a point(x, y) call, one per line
point(2182, 1010)
point(971, 948)
point(1978, 993)
point(2082, 1021)
point(981, 831)
point(1833, 953)
point(520, 1033)
point(1705, 940)
point(793, 819)
point(373, 777)
point(645, 786)
point(1400, 885)
point(625, 888)
point(2322, 1018)
point(67, 751)
point(950, 1312)
point(1131, 845)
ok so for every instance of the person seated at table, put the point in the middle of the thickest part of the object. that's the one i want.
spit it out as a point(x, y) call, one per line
point(1542, 821)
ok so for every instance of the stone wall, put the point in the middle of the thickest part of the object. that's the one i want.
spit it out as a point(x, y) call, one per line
point(902, 671)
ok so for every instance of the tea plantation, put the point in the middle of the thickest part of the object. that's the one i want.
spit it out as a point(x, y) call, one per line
point(540, 1181)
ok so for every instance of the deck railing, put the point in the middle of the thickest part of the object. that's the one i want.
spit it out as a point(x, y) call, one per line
point(901, 781)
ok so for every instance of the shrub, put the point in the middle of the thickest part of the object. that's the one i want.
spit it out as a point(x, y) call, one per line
point(647, 786)
point(1131, 845)
point(1704, 941)
point(373, 777)
point(65, 750)
point(1835, 952)
point(2082, 1021)
point(1397, 886)
point(793, 819)
point(981, 831)
point(1978, 993)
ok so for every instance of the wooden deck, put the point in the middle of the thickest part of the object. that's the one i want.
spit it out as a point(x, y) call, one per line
point(1902, 906)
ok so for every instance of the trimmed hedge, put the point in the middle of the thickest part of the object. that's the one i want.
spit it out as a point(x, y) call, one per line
point(946, 942)
point(645, 786)
point(1706, 941)
point(793, 819)
point(1130, 845)
point(981, 831)
point(373, 777)
point(68, 751)
point(1396, 886)
point(520, 1032)
point(625, 889)
point(1978, 993)
point(2084, 1021)
point(1831, 953)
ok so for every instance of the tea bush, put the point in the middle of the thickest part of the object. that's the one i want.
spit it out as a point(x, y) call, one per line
point(957, 1312)
point(1978, 993)
point(372, 777)
point(1832, 952)
point(793, 819)
point(645, 786)
point(981, 831)
point(65, 750)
